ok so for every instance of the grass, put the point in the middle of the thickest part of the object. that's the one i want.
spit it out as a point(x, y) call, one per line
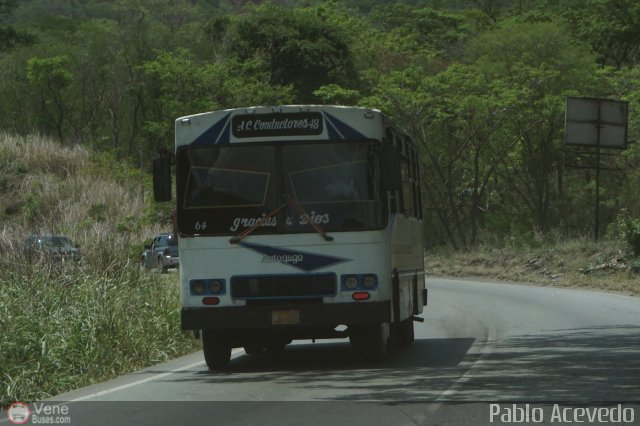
point(69, 324)
point(578, 263)
point(66, 325)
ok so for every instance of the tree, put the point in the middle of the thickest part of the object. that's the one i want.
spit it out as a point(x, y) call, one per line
point(540, 65)
point(177, 85)
point(297, 47)
point(610, 27)
point(9, 36)
point(51, 77)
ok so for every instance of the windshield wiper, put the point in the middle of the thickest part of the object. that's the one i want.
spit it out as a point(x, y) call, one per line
point(294, 203)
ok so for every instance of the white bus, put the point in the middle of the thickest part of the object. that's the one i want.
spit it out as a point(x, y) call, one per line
point(296, 222)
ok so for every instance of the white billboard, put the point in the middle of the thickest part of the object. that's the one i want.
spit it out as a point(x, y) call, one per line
point(593, 122)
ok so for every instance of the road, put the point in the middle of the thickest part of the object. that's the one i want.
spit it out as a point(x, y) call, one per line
point(480, 343)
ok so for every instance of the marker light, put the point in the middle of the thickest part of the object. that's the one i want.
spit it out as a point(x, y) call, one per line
point(210, 301)
point(361, 295)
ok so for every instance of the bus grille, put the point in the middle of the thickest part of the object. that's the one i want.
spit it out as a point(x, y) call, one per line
point(283, 286)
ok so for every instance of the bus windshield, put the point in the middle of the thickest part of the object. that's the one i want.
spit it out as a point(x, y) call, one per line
point(225, 189)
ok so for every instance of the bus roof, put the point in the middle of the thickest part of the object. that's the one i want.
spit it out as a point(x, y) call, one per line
point(287, 122)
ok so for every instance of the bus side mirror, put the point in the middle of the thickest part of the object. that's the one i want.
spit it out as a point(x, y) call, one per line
point(391, 175)
point(162, 179)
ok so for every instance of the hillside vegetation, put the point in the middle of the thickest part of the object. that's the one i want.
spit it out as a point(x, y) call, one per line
point(68, 324)
point(479, 85)
point(65, 325)
point(577, 263)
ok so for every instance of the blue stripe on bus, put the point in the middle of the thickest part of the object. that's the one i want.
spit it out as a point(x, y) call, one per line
point(332, 132)
point(346, 131)
point(224, 137)
point(219, 130)
point(302, 260)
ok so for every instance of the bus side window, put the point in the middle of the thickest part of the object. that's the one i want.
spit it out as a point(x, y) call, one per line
point(407, 197)
point(395, 196)
point(417, 199)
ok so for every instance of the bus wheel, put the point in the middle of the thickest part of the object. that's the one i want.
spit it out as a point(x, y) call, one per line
point(406, 335)
point(254, 349)
point(217, 349)
point(276, 346)
point(375, 341)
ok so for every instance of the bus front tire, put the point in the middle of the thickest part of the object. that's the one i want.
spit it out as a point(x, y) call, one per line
point(372, 341)
point(217, 349)
point(254, 349)
point(406, 334)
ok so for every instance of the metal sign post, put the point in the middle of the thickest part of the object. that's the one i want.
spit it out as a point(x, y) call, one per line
point(596, 123)
point(596, 230)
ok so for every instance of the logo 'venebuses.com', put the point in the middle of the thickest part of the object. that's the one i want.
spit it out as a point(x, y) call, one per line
point(18, 413)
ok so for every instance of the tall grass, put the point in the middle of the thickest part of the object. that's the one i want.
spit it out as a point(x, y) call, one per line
point(68, 324)
point(578, 262)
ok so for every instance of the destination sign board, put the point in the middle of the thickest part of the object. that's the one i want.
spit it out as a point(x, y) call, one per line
point(277, 124)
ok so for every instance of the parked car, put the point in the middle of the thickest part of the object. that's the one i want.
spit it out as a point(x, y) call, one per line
point(162, 253)
point(53, 247)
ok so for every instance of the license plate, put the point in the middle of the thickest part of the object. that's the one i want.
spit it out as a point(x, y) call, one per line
point(285, 317)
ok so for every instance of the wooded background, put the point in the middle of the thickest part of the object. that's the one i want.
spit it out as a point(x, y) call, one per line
point(479, 84)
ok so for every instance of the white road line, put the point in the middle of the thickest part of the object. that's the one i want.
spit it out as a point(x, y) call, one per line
point(148, 379)
point(485, 351)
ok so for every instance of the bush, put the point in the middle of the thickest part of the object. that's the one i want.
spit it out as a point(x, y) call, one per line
point(68, 324)
point(629, 229)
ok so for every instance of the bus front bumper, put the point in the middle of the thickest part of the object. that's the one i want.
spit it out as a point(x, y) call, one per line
point(274, 317)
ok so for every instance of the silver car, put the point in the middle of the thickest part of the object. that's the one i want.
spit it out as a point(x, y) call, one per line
point(162, 253)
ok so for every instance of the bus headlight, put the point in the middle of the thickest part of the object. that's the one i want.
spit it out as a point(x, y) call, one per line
point(198, 287)
point(207, 286)
point(351, 283)
point(215, 286)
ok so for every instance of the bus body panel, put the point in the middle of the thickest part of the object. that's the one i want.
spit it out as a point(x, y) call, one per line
point(217, 260)
point(282, 281)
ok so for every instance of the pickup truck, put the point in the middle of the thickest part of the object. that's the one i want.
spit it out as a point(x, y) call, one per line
point(162, 253)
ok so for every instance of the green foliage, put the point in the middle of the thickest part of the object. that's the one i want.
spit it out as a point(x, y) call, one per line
point(422, 28)
point(50, 77)
point(480, 85)
point(179, 85)
point(629, 229)
point(94, 337)
point(107, 164)
point(11, 38)
point(610, 27)
point(88, 335)
point(335, 94)
point(130, 224)
point(50, 73)
point(98, 212)
point(31, 207)
point(298, 47)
